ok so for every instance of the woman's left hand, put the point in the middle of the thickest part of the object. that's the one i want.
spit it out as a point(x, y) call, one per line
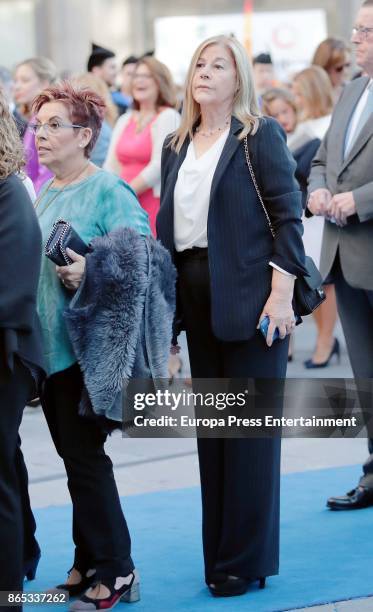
point(71, 276)
point(281, 315)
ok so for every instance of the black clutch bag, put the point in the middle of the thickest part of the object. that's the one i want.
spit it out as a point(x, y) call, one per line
point(308, 290)
point(62, 237)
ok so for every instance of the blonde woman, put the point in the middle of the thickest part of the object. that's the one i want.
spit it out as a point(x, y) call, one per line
point(232, 274)
point(30, 78)
point(280, 104)
point(314, 99)
point(136, 145)
point(95, 83)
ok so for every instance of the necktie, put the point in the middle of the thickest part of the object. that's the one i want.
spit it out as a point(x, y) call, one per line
point(366, 113)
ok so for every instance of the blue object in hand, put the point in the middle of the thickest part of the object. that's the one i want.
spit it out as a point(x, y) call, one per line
point(264, 324)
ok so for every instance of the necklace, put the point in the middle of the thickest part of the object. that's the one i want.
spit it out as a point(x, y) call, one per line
point(207, 133)
point(40, 197)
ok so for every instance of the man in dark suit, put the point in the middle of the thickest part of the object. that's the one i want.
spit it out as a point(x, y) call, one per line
point(341, 189)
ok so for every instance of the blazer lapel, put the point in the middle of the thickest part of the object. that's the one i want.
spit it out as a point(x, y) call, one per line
point(168, 196)
point(175, 170)
point(229, 149)
point(364, 135)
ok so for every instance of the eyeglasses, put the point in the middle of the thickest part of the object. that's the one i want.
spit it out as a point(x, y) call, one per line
point(52, 127)
point(361, 31)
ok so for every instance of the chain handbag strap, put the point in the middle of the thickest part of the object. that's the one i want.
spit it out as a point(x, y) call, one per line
point(251, 170)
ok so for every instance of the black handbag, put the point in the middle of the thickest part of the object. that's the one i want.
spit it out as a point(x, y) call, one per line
point(308, 290)
point(64, 236)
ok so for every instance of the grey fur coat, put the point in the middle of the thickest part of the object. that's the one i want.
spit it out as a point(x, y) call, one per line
point(120, 319)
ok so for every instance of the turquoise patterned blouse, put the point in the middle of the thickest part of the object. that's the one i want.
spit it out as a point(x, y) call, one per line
point(95, 206)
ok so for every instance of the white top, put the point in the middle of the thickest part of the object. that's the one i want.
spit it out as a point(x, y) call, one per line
point(308, 130)
point(192, 195)
point(317, 128)
point(356, 117)
point(167, 121)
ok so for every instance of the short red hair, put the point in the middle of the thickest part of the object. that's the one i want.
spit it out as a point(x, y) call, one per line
point(84, 106)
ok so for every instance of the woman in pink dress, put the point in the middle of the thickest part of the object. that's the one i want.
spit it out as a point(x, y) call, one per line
point(136, 145)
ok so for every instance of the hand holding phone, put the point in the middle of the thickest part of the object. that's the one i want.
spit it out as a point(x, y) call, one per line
point(264, 324)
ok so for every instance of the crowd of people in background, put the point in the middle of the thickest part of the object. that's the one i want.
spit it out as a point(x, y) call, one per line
point(142, 107)
point(95, 143)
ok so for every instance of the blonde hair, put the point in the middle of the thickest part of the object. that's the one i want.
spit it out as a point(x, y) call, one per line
point(163, 78)
point(44, 69)
point(11, 148)
point(91, 81)
point(317, 92)
point(245, 105)
point(277, 93)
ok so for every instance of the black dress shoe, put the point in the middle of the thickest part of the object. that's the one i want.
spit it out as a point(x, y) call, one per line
point(353, 500)
point(233, 585)
point(336, 350)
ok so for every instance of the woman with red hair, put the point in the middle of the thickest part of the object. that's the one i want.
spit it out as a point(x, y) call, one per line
point(95, 202)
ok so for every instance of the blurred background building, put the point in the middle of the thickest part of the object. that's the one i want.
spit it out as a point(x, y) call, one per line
point(64, 29)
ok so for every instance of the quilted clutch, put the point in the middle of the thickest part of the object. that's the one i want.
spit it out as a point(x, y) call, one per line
point(64, 236)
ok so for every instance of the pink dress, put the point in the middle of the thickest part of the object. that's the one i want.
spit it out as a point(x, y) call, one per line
point(134, 151)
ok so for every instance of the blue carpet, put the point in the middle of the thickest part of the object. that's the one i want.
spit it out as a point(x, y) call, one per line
point(325, 556)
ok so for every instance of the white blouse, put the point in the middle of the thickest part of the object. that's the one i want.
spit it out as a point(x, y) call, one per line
point(192, 195)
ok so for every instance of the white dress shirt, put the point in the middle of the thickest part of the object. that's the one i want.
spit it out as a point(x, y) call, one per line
point(350, 135)
point(192, 197)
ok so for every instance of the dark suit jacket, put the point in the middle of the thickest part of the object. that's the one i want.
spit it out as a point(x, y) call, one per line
point(240, 244)
point(20, 251)
point(355, 173)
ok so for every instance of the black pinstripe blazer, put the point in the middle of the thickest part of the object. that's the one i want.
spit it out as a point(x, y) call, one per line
point(240, 244)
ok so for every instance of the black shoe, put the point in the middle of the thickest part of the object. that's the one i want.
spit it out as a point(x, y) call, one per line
point(30, 567)
point(128, 593)
point(75, 590)
point(355, 499)
point(233, 585)
point(336, 350)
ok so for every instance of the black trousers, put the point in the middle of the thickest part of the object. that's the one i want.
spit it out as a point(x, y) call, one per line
point(13, 397)
point(240, 478)
point(355, 307)
point(100, 532)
